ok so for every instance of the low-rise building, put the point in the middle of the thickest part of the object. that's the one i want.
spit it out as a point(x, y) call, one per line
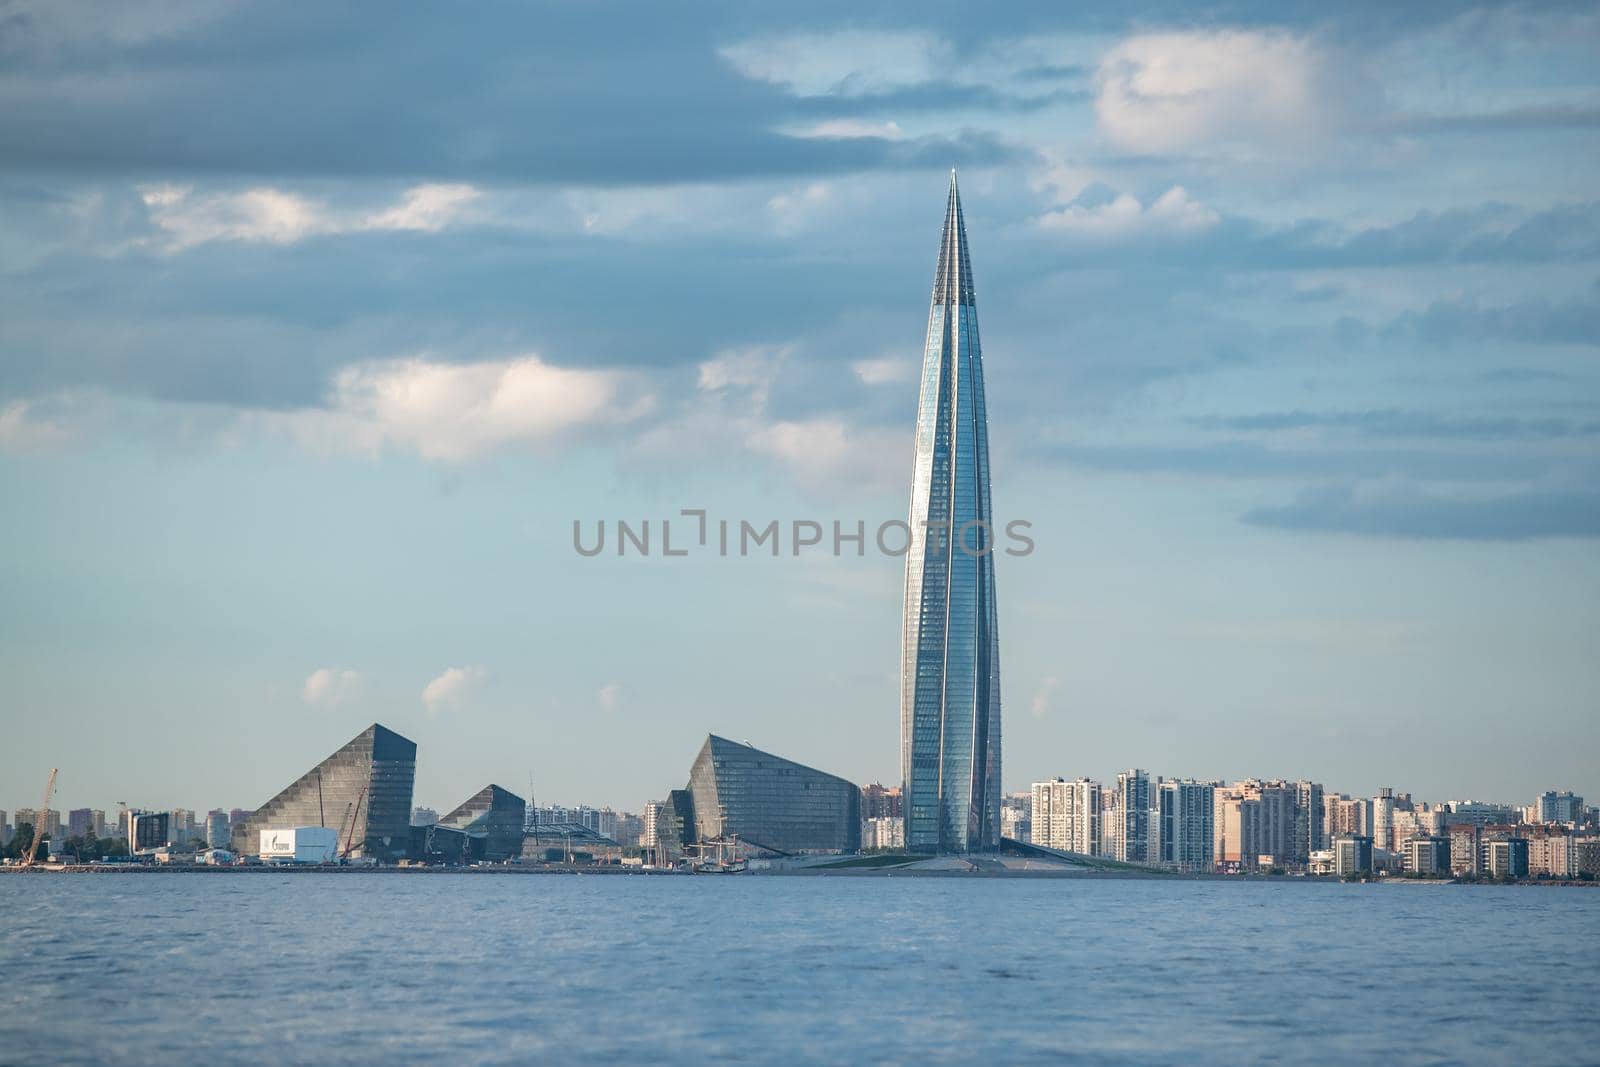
point(1352, 855)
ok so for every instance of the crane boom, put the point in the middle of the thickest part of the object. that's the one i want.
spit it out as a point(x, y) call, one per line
point(39, 818)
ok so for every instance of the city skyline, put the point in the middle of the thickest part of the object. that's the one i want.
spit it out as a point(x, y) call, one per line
point(950, 715)
point(1291, 318)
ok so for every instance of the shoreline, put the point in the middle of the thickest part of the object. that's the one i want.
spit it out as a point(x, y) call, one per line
point(807, 872)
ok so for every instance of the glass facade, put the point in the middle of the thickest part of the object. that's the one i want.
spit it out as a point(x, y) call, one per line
point(950, 654)
point(492, 818)
point(363, 791)
point(768, 801)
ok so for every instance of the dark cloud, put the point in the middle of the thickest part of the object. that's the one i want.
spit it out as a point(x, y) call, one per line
point(1412, 512)
point(1538, 321)
point(575, 94)
point(1546, 117)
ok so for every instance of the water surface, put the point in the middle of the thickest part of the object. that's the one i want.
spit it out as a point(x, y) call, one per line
point(331, 968)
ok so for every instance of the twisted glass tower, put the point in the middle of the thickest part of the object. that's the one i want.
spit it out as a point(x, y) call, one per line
point(950, 652)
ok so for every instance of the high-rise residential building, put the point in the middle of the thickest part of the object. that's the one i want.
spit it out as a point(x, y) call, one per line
point(1551, 851)
point(1255, 825)
point(1066, 815)
point(1426, 855)
point(1310, 822)
point(1185, 824)
point(879, 801)
point(1506, 857)
point(1016, 816)
point(1478, 813)
point(883, 833)
point(217, 834)
point(80, 822)
point(1383, 820)
point(1133, 816)
point(1565, 807)
point(950, 648)
point(1346, 817)
point(47, 823)
point(182, 827)
point(98, 818)
point(1466, 848)
point(630, 828)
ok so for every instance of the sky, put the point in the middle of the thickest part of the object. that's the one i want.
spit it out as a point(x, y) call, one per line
point(321, 326)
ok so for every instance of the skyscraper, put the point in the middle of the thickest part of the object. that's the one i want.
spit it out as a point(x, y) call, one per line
point(950, 651)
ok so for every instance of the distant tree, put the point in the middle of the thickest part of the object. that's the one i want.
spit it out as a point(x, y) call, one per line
point(21, 841)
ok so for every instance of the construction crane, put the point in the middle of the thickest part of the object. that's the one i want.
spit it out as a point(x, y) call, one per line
point(39, 819)
point(355, 817)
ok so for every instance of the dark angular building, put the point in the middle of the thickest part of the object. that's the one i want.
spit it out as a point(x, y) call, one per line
point(492, 818)
point(363, 791)
point(765, 800)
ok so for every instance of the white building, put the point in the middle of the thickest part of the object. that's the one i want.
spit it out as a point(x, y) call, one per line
point(1066, 815)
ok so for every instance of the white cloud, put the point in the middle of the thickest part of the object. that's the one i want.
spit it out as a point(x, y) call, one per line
point(610, 696)
point(883, 371)
point(264, 214)
point(846, 63)
point(273, 216)
point(457, 411)
point(747, 371)
point(1174, 211)
point(847, 129)
point(328, 688)
point(1041, 698)
point(827, 451)
point(792, 210)
point(22, 428)
point(1169, 92)
point(428, 208)
point(450, 690)
point(731, 415)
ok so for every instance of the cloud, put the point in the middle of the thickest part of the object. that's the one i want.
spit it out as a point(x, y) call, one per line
point(792, 210)
point(450, 690)
point(848, 128)
point(24, 429)
point(748, 371)
point(427, 208)
point(328, 688)
point(1534, 321)
point(1391, 422)
point(610, 696)
point(274, 216)
point(1174, 211)
point(1041, 698)
point(887, 370)
point(843, 63)
point(1407, 511)
point(454, 412)
point(1171, 92)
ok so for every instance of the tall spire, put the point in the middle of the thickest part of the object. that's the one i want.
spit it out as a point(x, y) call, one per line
point(950, 651)
point(952, 283)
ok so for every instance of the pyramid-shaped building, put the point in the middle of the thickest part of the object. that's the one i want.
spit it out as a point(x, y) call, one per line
point(363, 791)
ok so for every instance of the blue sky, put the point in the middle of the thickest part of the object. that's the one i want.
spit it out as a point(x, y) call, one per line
point(319, 328)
